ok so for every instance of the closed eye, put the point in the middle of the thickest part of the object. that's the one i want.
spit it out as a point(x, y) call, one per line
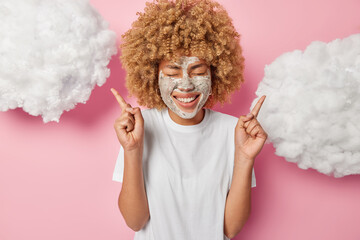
point(199, 70)
point(198, 74)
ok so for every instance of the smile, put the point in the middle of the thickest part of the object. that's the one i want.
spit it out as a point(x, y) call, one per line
point(186, 99)
point(187, 102)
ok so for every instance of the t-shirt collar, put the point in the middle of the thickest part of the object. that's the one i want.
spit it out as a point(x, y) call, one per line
point(185, 128)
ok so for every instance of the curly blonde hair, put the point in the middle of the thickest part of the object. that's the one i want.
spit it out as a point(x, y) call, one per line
point(201, 28)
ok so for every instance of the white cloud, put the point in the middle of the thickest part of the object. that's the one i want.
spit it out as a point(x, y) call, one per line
point(52, 53)
point(312, 109)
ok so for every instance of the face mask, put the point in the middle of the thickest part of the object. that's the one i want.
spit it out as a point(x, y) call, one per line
point(190, 93)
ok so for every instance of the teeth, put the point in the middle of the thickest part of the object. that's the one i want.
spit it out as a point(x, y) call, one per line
point(186, 100)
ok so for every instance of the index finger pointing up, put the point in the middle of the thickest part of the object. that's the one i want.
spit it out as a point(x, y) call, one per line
point(119, 98)
point(257, 107)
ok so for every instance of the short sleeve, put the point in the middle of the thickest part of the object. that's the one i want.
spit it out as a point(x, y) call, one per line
point(253, 179)
point(119, 167)
point(232, 125)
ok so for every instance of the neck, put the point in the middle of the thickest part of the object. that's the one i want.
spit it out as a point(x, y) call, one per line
point(192, 121)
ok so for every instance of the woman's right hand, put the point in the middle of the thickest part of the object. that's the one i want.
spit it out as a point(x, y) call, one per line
point(129, 126)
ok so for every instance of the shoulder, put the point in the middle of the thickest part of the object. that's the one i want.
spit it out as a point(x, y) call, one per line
point(223, 118)
point(150, 113)
point(151, 116)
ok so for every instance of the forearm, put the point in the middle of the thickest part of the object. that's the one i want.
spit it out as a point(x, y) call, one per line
point(238, 202)
point(132, 200)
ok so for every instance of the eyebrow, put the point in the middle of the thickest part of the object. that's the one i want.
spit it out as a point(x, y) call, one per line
point(191, 68)
point(197, 66)
point(172, 66)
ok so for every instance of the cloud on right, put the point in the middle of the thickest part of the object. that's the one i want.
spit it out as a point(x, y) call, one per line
point(312, 107)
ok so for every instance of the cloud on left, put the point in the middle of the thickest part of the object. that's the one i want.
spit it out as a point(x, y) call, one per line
point(52, 53)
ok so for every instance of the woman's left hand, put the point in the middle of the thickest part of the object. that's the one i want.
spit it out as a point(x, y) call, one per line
point(249, 135)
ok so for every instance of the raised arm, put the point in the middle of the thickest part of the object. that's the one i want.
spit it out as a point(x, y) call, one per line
point(249, 140)
point(132, 200)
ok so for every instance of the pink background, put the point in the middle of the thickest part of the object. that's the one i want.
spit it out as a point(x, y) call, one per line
point(55, 178)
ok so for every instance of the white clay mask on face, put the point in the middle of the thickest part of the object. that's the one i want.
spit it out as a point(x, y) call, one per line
point(186, 95)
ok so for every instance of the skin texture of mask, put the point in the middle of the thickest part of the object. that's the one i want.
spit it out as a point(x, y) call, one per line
point(185, 95)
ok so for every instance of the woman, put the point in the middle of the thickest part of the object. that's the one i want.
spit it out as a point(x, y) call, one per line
point(187, 171)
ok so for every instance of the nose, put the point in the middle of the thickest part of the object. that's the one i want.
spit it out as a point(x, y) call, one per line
point(185, 84)
point(185, 89)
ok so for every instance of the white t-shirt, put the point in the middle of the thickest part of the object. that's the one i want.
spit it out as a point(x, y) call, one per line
point(187, 173)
